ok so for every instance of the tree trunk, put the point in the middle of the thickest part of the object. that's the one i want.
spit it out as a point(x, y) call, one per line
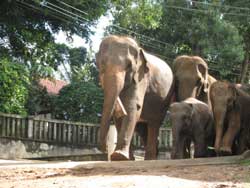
point(244, 68)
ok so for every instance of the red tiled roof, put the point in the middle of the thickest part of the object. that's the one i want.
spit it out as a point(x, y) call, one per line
point(53, 87)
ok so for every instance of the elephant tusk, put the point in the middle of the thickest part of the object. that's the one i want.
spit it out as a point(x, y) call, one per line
point(119, 109)
point(210, 148)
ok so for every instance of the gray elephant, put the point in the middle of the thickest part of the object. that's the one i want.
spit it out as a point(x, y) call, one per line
point(230, 105)
point(192, 121)
point(137, 88)
point(191, 78)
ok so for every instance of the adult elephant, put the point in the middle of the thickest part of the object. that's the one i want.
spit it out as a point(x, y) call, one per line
point(192, 121)
point(230, 105)
point(137, 83)
point(191, 78)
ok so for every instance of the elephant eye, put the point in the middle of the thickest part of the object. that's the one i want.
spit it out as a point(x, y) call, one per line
point(128, 65)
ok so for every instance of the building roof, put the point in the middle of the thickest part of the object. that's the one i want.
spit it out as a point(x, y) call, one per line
point(52, 86)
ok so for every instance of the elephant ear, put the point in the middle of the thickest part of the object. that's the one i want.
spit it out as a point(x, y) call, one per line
point(177, 62)
point(204, 73)
point(141, 66)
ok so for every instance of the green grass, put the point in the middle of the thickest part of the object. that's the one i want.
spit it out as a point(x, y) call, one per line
point(245, 162)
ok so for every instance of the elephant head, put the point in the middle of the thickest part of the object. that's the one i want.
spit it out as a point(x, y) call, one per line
point(223, 96)
point(121, 63)
point(191, 77)
point(181, 118)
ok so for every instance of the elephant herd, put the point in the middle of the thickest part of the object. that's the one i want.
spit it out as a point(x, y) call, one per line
point(139, 88)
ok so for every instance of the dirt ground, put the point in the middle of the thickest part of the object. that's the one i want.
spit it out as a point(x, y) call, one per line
point(211, 173)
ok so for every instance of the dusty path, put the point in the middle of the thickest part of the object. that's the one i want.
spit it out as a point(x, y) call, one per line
point(199, 173)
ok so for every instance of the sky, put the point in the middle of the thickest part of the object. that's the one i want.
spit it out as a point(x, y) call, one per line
point(103, 22)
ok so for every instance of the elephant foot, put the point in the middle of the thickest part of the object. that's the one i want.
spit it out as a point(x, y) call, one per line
point(225, 151)
point(119, 156)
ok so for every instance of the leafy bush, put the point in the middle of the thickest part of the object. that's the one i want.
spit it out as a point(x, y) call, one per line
point(14, 79)
point(79, 101)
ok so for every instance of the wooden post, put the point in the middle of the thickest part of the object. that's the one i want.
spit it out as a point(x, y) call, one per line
point(64, 132)
point(170, 138)
point(18, 128)
point(40, 130)
point(54, 131)
point(8, 127)
point(45, 130)
point(50, 131)
point(59, 132)
point(78, 135)
point(2, 125)
point(69, 133)
point(30, 127)
point(74, 135)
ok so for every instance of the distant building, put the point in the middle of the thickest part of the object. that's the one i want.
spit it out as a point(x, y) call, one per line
point(53, 87)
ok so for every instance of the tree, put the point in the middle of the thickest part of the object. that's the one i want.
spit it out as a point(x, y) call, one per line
point(39, 101)
point(171, 28)
point(27, 36)
point(13, 87)
point(79, 101)
point(81, 64)
point(241, 19)
point(27, 29)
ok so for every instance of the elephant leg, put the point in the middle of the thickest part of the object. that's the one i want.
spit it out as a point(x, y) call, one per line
point(242, 142)
point(124, 138)
point(127, 129)
point(187, 148)
point(200, 149)
point(232, 130)
point(152, 142)
point(112, 136)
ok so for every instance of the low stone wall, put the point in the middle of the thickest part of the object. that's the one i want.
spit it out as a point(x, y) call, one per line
point(16, 149)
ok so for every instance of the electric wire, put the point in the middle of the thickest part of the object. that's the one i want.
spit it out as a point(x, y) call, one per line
point(144, 42)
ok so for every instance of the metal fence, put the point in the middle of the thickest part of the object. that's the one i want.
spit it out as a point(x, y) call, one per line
point(63, 132)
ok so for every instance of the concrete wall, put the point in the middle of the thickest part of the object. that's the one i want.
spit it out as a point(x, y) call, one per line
point(11, 149)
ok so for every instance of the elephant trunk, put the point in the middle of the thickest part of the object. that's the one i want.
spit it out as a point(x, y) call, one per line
point(112, 85)
point(219, 116)
point(184, 92)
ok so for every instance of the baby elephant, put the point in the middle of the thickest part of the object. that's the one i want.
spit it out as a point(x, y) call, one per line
point(192, 121)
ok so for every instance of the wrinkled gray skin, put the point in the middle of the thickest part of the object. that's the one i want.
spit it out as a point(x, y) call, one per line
point(191, 121)
point(230, 105)
point(191, 78)
point(142, 82)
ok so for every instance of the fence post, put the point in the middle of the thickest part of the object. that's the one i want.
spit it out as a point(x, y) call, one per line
point(30, 126)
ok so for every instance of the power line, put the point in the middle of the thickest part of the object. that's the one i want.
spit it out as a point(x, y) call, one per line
point(29, 6)
point(202, 11)
point(223, 6)
point(65, 14)
point(72, 7)
point(44, 4)
point(144, 42)
point(78, 17)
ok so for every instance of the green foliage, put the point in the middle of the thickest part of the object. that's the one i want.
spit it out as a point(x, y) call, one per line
point(39, 101)
point(27, 35)
point(28, 28)
point(79, 101)
point(13, 87)
point(82, 66)
point(204, 34)
point(171, 28)
point(138, 14)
